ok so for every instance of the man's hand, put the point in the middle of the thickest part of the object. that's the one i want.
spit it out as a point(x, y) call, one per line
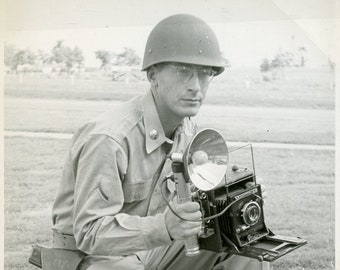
point(260, 181)
point(181, 229)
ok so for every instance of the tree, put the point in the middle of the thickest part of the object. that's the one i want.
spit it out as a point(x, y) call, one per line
point(66, 57)
point(127, 58)
point(43, 57)
point(276, 65)
point(265, 66)
point(14, 57)
point(9, 53)
point(282, 59)
point(105, 57)
point(59, 52)
point(74, 57)
point(24, 58)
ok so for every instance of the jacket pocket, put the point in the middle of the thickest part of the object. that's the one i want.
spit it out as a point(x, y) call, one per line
point(136, 191)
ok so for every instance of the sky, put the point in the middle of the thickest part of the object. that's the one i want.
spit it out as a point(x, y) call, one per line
point(248, 30)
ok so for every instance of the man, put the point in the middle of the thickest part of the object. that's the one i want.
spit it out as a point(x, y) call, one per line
point(109, 204)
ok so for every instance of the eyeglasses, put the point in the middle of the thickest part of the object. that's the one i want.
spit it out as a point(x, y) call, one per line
point(185, 73)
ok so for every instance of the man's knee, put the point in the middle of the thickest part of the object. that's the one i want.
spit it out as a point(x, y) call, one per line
point(176, 259)
point(213, 261)
point(234, 262)
point(131, 262)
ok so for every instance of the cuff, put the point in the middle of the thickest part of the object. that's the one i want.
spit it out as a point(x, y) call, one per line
point(155, 231)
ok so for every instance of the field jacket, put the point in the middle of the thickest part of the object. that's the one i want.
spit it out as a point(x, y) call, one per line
point(106, 197)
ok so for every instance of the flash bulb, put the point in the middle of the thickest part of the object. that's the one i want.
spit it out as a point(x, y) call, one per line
point(199, 157)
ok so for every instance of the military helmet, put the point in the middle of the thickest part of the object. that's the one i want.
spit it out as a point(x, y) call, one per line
point(183, 38)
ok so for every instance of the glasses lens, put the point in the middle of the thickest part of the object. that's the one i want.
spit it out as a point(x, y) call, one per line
point(185, 73)
point(206, 74)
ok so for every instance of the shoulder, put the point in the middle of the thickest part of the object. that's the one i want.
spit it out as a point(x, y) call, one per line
point(115, 123)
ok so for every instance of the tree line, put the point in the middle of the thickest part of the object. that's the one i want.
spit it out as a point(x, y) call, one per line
point(63, 58)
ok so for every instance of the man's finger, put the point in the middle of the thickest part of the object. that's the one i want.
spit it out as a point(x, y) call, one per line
point(195, 216)
point(259, 180)
point(190, 207)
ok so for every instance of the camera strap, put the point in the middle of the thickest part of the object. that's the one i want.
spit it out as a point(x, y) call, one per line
point(155, 179)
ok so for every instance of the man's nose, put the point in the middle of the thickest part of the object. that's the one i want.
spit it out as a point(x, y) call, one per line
point(195, 84)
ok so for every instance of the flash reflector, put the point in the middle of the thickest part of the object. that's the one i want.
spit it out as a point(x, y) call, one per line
point(206, 159)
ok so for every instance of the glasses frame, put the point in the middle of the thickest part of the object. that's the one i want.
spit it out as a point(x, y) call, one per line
point(191, 71)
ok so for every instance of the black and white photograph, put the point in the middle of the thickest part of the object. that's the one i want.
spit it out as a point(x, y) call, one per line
point(170, 135)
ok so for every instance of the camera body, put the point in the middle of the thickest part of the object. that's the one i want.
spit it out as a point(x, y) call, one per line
point(239, 223)
point(243, 222)
point(225, 185)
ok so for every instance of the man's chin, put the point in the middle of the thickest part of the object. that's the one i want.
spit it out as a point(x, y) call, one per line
point(191, 113)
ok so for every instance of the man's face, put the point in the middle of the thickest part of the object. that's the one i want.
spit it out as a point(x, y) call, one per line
point(181, 88)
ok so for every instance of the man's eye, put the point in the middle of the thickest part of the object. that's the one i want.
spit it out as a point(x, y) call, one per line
point(207, 72)
point(185, 71)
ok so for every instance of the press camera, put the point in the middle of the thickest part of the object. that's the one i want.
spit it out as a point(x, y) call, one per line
point(231, 201)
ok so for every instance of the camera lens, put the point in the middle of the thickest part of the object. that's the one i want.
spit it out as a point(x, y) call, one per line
point(251, 213)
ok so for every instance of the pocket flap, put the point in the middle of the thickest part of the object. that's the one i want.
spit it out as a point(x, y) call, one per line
point(136, 191)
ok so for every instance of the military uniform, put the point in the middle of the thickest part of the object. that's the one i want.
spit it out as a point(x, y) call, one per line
point(109, 199)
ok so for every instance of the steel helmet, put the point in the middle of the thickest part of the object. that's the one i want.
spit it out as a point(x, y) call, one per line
point(185, 39)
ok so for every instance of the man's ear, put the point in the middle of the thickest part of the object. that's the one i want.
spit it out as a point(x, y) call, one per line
point(152, 75)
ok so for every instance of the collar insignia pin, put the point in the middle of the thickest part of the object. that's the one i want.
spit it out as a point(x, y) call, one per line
point(153, 134)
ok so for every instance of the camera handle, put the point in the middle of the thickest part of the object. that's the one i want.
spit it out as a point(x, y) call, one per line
point(184, 195)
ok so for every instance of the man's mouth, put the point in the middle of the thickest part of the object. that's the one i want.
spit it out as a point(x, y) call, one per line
point(193, 100)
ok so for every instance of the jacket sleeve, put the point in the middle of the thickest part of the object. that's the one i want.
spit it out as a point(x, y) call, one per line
point(99, 227)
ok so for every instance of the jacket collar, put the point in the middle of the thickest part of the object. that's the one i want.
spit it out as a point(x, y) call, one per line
point(154, 132)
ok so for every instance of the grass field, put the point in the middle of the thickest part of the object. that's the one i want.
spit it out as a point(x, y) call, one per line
point(253, 124)
point(301, 88)
point(300, 201)
point(300, 183)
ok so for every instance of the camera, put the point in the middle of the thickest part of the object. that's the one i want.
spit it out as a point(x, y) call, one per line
point(230, 199)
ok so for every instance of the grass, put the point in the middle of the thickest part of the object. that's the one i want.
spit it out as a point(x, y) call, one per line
point(32, 172)
point(300, 185)
point(301, 88)
point(300, 108)
point(313, 127)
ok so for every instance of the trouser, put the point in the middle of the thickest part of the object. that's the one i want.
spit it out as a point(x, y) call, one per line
point(172, 258)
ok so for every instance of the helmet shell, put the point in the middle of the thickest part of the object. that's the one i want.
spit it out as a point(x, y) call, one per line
point(183, 38)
